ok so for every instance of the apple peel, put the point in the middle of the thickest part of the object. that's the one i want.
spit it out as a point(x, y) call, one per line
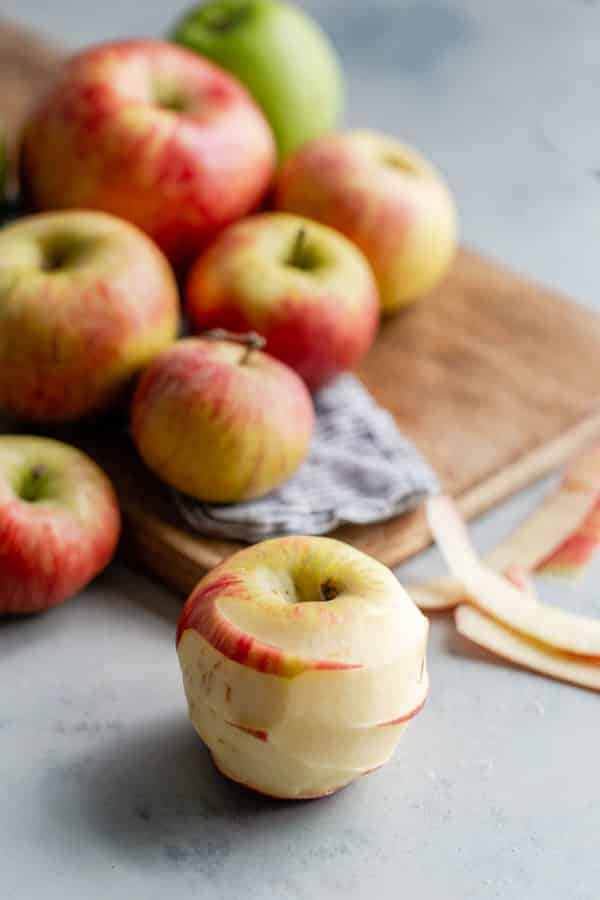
point(583, 473)
point(575, 552)
point(491, 635)
point(446, 592)
point(530, 547)
point(492, 594)
point(574, 555)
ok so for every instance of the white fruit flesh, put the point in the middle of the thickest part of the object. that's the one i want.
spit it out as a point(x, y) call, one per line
point(320, 744)
point(484, 631)
point(336, 697)
point(263, 767)
point(353, 747)
point(273, 593)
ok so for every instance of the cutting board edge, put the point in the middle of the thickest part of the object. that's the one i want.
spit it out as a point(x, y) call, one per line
point(416, 537)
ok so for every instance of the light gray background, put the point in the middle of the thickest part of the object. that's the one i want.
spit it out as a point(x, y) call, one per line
point(494, 791)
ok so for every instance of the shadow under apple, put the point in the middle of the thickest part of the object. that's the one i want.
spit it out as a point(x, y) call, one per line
point(155, 793)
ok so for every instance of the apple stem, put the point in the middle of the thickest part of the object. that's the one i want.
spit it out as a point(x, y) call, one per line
point(329, 590)
point(30, 490)
point(298, 249)
point(251, 340)
point(222, 19)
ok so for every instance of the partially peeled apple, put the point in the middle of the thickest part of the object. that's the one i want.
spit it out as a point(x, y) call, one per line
point(303, 660)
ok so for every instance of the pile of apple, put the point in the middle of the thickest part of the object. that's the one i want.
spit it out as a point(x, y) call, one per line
point(150, 168)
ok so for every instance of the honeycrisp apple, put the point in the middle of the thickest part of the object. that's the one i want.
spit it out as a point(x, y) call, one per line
point(220, 420)
point(59, 522)
point(280, 54)
point(301, 285)
point(384, 197)
point(152, 133)
point(302, 661)
point(86, 301)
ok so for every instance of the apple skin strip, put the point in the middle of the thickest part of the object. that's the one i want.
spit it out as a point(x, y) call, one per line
point(583, 473)
point(494, 595)
point(446, 592)
point(484, 631)
point(576, 552)
point(547, 529)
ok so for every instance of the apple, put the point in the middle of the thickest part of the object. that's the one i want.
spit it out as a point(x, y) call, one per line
point(301, 285)
point(220, 420)
point(307, 659)
point(280, 54)
point(384, 197)
point(154, 134)
point(87, 300)
point(59, 523)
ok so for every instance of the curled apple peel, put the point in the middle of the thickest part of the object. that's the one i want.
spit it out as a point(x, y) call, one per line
point(575, 553)
point(544, 639)
point(542, 534)
point(558, 538)
point(495, 637)
point(494, 595)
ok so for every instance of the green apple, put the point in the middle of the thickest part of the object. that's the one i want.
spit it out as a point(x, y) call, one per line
point(280, 54)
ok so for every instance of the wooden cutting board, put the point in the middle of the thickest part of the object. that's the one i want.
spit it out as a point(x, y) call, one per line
point(496, 379)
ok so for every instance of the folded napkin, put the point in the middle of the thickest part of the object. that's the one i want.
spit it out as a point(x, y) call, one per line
point(360, 470)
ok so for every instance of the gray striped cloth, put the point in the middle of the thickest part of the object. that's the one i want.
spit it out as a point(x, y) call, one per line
point(360, 470)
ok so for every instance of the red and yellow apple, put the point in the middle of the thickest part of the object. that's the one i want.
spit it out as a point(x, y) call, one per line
point(59, 523)
point(383, 196)
point(302, 661)
point(301, 285)
point(220, 420)
point(153, 133)
point(86, 301)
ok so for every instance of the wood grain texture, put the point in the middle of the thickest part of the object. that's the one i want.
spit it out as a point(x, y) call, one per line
point(496, 379)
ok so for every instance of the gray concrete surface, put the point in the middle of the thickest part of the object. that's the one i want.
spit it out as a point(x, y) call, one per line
point(493, 793)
